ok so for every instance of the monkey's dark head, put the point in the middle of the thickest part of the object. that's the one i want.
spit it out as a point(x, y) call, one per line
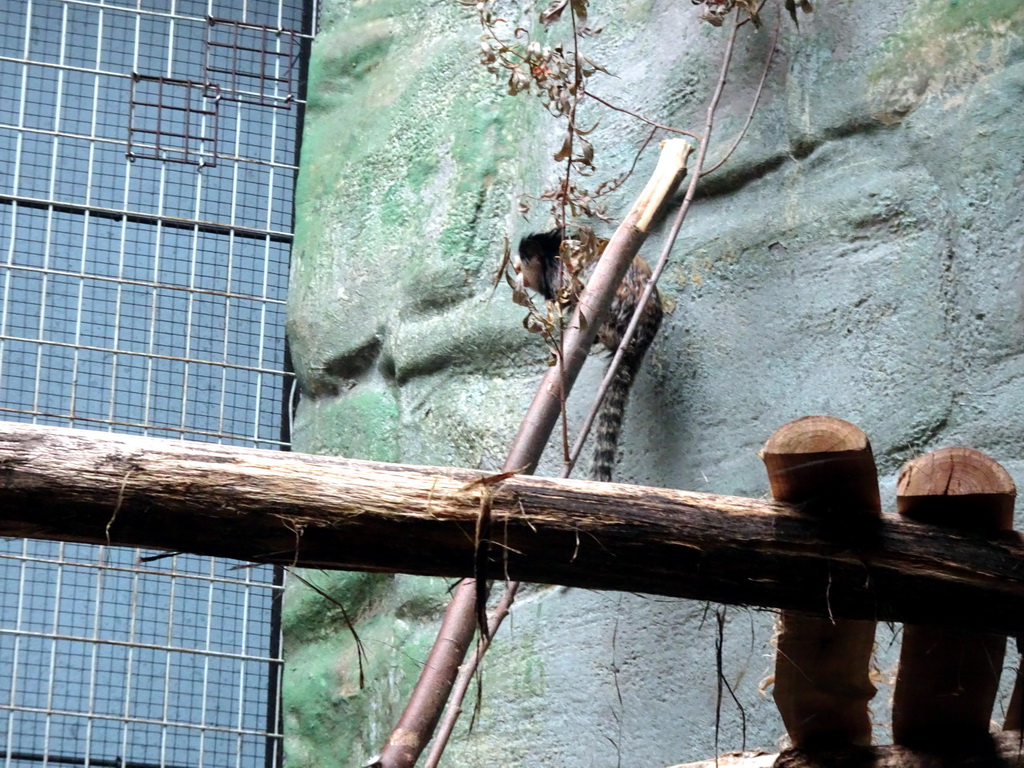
point(538, 259)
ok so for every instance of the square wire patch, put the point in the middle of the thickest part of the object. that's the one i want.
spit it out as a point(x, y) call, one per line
point(173, 120)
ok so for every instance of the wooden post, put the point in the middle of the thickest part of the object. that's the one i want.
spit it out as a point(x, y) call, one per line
point(825, 467)
point(947, 679)
point(1014, 716)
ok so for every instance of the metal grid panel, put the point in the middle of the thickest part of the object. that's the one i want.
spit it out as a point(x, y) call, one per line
point(116, 663)
point(257, 63)
point(174, 120)
point(145, 296)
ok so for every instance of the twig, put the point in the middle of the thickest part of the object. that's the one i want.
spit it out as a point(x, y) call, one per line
point(571, 129)
point(469, 668)
point(611, 186)
point(451, 715)
point(117, 505)
point(753, 105)
point(720, 676)
point(570, 139)
point(665, 252)
point(641, 118)
point(360, 650)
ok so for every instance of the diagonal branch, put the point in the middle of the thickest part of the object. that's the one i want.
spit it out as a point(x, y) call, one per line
point(432, 690)
point(754, 102)
point(641, 118)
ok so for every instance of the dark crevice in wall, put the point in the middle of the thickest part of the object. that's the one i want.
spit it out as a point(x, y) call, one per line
point(735, 177)
point(345, 370)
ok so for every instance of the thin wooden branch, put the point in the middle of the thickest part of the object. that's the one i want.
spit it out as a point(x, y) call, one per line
point(322, 512)
point(465, 677)
point(618, 259)
point(641, 118)
point(753, 103)
point(670, 241)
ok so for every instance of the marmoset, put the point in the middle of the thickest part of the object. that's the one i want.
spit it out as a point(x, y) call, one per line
point(544, 272)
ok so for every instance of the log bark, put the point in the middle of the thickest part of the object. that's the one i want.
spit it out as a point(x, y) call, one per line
point(1002, 750)
point(322, 512)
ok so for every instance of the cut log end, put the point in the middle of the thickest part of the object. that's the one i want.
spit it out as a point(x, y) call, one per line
point(817, 434)
point(935, 488)
point(822, 687)
point(815, 458)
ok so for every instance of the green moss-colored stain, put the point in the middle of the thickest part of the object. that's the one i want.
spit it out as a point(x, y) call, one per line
point(956, 15)
point(355, 51)
point(533, 680)
point(325, 708)
point(953, 39)
point(307, 614)
point(403, 172)
point(361, 424)
point(389, 98)
point(420, 598)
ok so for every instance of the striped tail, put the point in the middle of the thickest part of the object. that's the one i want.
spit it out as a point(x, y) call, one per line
point(611, 415)
point(613, 409)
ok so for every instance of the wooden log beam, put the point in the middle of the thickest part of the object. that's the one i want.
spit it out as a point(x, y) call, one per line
point(1002, 750)
point(315, 511)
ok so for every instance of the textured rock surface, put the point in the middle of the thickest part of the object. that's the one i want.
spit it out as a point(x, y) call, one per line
point(860, 255)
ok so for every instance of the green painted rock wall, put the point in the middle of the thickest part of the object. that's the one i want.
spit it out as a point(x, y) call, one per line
point(860, 255)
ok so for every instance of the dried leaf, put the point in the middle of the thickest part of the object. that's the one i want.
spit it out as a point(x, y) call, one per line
point(518, 81)
point(790, 6)
point(750, 6)
point(585, 157)
point(803, 5)
point(579, 7)
point(715, 11)
point(597, 66)
point(532, 324)
point(566, 150)
point(553, 12)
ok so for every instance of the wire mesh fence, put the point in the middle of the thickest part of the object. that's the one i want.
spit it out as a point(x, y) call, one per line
point(148, 161)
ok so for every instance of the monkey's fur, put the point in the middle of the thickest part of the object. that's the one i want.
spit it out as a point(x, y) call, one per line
point(543, 271)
